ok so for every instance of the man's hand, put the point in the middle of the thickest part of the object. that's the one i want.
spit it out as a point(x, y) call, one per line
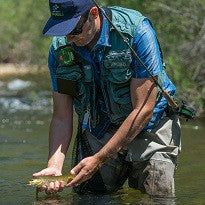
point(54, 187)
point(85, 170)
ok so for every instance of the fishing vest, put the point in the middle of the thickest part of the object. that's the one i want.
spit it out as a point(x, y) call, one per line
point(76, 77)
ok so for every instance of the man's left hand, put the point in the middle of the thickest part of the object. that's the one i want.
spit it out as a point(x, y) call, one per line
point(85, 170)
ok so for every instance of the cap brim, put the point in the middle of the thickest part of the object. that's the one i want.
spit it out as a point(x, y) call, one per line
point(56, 27)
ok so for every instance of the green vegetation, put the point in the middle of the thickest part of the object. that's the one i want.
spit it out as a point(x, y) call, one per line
point(180, 27)
point(21, 39)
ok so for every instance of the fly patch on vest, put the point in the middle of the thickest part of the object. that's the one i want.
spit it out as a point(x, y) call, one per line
point(67, 56)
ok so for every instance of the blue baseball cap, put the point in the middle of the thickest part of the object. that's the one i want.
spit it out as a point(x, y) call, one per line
point(65, 15)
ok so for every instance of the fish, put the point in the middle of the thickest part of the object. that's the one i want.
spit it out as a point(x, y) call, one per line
point(46, 180)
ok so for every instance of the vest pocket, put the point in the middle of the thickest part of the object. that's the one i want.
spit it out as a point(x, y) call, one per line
point(118, 101)
point(118, 72)
point(120, 92)
point(117, 65)
point(121, 96)
point(73, 73)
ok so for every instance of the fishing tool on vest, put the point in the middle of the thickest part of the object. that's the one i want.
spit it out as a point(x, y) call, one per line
point(181, 109)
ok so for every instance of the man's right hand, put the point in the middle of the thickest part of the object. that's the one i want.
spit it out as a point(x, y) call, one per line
point(53, 187)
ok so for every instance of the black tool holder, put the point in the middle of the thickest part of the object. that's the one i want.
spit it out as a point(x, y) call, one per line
point(185, 111)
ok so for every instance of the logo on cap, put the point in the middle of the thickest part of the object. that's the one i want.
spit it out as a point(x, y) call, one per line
point(56, 10)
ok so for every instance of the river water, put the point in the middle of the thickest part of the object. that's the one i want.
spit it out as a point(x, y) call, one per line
point(25, 112)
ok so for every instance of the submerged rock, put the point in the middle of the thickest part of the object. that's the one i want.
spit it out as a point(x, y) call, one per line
point(18, 84)
point(1, 83)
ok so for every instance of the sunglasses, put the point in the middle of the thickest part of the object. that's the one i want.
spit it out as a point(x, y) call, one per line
point(79, 28)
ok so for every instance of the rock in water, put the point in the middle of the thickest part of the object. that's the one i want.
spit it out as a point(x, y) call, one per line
point(18, 84)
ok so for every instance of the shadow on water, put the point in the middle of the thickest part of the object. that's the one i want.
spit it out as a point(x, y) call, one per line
point(24, 122)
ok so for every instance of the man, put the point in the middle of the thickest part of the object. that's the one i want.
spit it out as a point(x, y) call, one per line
point(126, 130)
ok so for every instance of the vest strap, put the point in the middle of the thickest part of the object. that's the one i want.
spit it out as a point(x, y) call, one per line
point(67, 87)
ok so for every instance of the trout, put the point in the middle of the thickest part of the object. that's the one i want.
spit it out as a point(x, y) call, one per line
point(46, 180)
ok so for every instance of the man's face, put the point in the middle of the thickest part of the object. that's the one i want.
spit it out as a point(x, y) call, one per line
point(87, 24)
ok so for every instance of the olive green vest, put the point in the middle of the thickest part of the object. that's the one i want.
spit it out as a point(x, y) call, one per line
point(115, 71)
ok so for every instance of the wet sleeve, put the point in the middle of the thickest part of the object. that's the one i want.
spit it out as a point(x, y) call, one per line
point(52, 65)
point(147, 48)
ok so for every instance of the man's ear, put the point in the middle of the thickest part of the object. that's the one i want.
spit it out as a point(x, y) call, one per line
point(94, 12)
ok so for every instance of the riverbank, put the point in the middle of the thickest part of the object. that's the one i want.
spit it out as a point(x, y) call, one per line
point(18, 69)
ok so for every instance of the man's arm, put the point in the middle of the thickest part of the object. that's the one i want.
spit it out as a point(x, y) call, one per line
point(143, 95)
point(59, 137)
point(60, 130)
